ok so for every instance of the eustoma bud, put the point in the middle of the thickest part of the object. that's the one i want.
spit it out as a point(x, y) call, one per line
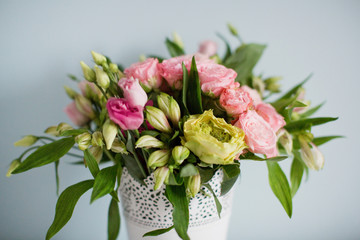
point(159, 158)
point(161, 175)
point(285, 140)
point(157, 119)
point(97, 139)
point(194, 184)
point(148, 141)
point(52, 130)
point(102, 78)
point(311, 155)
point(63, 127)
point(84, 106)
point(97, 152)
point(26, 141)
point(180, 153)
point(89, 74)
point(109, 132)
point(83, 140)
point(170, 107)
point(99, 59)
point(13, 165)
point(70, 92)
point(118, 146)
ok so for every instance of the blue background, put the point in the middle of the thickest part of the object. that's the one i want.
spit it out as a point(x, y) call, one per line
point(42, 41)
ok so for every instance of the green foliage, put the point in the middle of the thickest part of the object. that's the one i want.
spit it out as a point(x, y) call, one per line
point(46, 154)
point(280, 186)
point(217, 202)
point(296, 174)
point(104, 182)
point(231, 174)
point(188, 170)
point(91, 163)
point(114, 220)
point(66, 204)
point(173, 48)
point(305, 124)
point(158, 232)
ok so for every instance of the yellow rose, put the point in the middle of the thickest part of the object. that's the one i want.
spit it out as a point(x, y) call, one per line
point(212, 139)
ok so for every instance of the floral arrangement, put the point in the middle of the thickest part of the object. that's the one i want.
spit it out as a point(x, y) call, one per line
point(180, 119)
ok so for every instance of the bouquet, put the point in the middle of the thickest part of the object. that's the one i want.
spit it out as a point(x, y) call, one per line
point(181, 119)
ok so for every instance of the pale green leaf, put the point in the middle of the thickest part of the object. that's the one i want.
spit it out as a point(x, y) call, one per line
point(104, 182)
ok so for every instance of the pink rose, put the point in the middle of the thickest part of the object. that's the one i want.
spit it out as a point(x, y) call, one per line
point(215, 77)
point(208, 48)
point(147, 72)
point(133, 92)
point(253, 94)
point(75, 115)
point(259, 136)
point(171, 69)
point(271, 116)
point(235, 101)
point(122, 113)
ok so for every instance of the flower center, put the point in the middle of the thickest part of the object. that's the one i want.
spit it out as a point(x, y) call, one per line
point(216, 132)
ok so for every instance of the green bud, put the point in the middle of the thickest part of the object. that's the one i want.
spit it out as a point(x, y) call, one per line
point(118, 146)
point(259, 85)
point(63, 127)
point(157, 119)
point(216, 58)
point(272, 84)
point(285, 139)
point(97, 139)
point(161, 175)
point(13, 165)
point(99, 59)
point(232, 29)
point(26, 141)
point(102, 78)
point(52, 130)
point(180, 153)
point(177, 39)
point(159, 158)
point(97, 152)
point(70, 92)
point(113, 68)
point(310, 154)
point(142, 58)
point(148, 141)
point(193, 185)
point(83, 140)
point(84, 106)
point(109, 132)
point(89, 74)
point(163, 101)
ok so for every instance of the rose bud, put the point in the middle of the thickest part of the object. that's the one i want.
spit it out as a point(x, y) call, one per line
point(26, 141)
point(193, 186)
point(157, 119)
point(148, 141)
point(89, 74)
point(159, 158)
point(161, 175)
point(83, 140)
point(109, 132)
point(102, 78)
point(180, 153)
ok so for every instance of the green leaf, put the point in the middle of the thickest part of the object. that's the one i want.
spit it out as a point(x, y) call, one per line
point(150, 132)
point(130, 146)
point(104, 182)
point(321, 140)
point(296, 174)
point(175, 179)
point(46, 154)
point(73, 132)
point(252, 156)
point(193, 94)
point(280, 186)
point(66, 204)
point(206, 174)
point(174, 49)
point(188, 170)
point(185, 88)
point(228, 48)
point(158, 232)
point(311, 111)
point(177, 196)
point(113, 220)
point(231, 174)
point(298, 103)
point(217, 202)
point(133, 168)
point(244, 60)
point(304, 124)
point(91, 163)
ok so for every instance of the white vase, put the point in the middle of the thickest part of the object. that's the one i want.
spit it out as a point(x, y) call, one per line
point(146, 210)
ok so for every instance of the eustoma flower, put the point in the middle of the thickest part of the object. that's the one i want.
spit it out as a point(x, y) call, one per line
point(259, 135)
point(75, 115)
point(212, 139)
point(146, 72)
point(122, 113)
point(133, 92)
